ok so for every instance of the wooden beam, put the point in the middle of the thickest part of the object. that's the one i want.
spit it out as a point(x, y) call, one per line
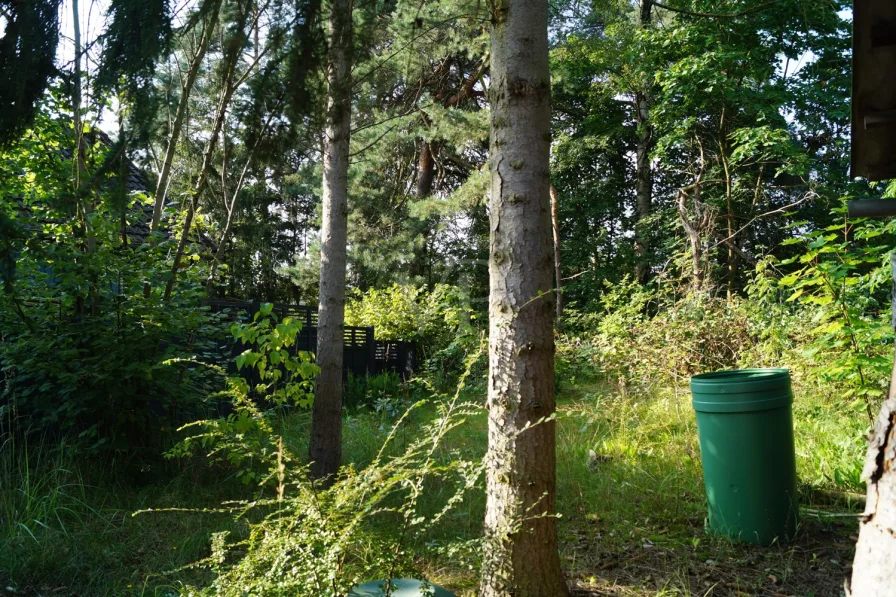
point(874, 89)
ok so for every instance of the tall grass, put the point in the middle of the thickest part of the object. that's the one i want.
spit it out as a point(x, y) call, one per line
point(41, 489)
point(66, 527)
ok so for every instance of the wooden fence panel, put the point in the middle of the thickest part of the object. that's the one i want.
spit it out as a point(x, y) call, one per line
point(363, 354)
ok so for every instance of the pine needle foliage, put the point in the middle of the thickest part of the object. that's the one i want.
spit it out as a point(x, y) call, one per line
point(27, 54)
point(138, 34)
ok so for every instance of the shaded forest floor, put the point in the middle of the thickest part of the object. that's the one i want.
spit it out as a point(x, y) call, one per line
point(630, 493)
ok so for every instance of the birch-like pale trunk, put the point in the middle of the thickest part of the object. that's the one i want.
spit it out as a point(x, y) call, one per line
point(558, 270)
point(85, 204)
point(520, 557)
point(874, 566)
point(875, 560)
point(205, 170)
point(325, 451)
point(230, 205)
point(231, 82)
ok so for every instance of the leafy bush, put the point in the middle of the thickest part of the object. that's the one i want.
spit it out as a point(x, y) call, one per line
point(431, 319)
point(645, 338)
point(841, 282)
point(115, 378)
point(304, 540)
point(827, 320)
point(275, 370)
point(87, 344)
point(274, 377)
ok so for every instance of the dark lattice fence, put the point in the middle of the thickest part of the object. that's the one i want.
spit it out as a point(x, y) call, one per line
point(363, 354)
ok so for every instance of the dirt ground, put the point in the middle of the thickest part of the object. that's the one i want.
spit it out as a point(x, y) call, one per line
point(815, 564)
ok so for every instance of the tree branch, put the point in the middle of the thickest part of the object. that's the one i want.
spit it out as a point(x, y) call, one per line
point(716, 15)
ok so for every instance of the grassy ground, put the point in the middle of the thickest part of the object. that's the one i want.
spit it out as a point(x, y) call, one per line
point(630, 495)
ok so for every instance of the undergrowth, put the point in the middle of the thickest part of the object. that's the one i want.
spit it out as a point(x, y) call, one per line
point(629, 490)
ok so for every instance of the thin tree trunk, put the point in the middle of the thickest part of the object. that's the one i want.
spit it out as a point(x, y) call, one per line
point(694, 232)
point(729, 220)
point(78, 166)
point(84, 202)
point(702, 221)
point(426, 171)
point(231, 205)
point(520, 555)
point(558, 274)
point(732, 253)
point(180, 114)
point(643, 171)
point(325, 452)
point(205, 169)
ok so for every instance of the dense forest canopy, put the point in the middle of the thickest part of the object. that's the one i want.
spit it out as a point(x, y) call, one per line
point(689, 141)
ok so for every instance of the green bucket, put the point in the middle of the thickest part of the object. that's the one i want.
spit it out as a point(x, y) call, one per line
point(746, 441)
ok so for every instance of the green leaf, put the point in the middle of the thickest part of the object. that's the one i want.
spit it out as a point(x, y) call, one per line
point(795, 295)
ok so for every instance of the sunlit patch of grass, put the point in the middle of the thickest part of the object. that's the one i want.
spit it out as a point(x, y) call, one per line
point(830, 442)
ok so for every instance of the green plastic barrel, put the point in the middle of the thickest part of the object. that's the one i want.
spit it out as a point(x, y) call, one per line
point(401, 587)
point(746, 441)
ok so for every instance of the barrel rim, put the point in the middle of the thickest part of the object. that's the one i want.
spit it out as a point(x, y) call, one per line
point(741, 390)
point(747, 375)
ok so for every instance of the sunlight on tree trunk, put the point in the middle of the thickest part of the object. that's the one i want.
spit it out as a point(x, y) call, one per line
point(875, 559)
point(325, 450)
point(520, 555)
point(558, 271)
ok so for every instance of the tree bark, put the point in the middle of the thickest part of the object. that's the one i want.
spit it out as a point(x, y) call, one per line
point(426, 173)
point(180, 115)
point(643, 188)
point(875, 559)
point(558, 275)
point(643, 172)
point(520, 555)
point(325, 452)
point(694, 240)
point(703, 221)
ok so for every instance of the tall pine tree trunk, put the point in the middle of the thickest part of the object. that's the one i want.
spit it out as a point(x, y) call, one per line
point(520, 556)
point(326, 420)
point(426, 174)
point(643, 172)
